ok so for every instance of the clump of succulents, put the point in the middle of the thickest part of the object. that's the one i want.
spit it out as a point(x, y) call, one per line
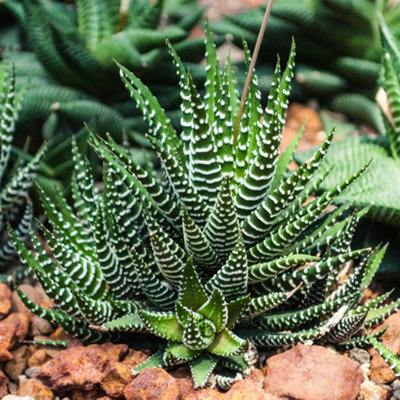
point(68, 53)
point(206, 253)
point(380, 184)
point(15, 175)
point(77, 43)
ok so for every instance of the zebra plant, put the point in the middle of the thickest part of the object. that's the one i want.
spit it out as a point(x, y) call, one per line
point(205, 256)
point(15, 180)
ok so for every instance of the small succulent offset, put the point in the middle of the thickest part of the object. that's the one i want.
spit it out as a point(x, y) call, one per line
point(16, 178)
point(207, 257)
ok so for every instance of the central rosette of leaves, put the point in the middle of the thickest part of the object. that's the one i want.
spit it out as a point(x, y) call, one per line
point(200, 322)
point(197, 326)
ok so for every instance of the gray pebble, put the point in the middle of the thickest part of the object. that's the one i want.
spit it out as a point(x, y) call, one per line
point(396, 395)
point(30, 372)
point(360, 355)
point(12, 387)
point(396, 384)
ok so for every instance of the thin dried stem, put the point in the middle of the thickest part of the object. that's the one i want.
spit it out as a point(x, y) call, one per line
point(251, 69)
point(123, 13)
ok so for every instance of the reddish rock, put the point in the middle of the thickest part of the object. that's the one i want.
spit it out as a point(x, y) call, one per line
point(5, 300)
point(39, 326)
point(34, 293)
point(374, 391)
point(246, 389)
point(74, 343)
point(13, 330)
point(80, 367)
point(120, 373)
point(38, 358)
point(184, 380)
point(5, 355)
point(17, 365)
point(134, 358)
point(312, 373)
point(3, 384)
point(154, 384)
point(271, 397)
point(257, 377)
point(35, 389)
point(205, 394)
point(116, 378)
point(380, 371)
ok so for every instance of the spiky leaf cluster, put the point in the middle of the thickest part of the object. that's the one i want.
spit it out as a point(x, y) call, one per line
point(15, 175)
point(206, 257)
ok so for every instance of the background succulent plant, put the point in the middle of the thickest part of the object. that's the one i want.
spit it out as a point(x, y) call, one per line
point(66, 51)
point(380, 185)
point(16, 173)
point(339, 49)
point(205, 256)
point(74, 46)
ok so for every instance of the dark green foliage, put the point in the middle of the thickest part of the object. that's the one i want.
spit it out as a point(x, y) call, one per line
point(338, 43)
point(78, 44)
point(379, 187)
point(207, 256)
point(66, 52)
point(72, 72)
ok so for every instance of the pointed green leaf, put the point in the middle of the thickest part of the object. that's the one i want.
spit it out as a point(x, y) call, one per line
point(163, 324)
point(191, 291)
point(226, 343)
point(177, 353)
point(201, 368)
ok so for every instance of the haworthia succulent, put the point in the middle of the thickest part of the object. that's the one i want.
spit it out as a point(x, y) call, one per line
point(209, 262)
